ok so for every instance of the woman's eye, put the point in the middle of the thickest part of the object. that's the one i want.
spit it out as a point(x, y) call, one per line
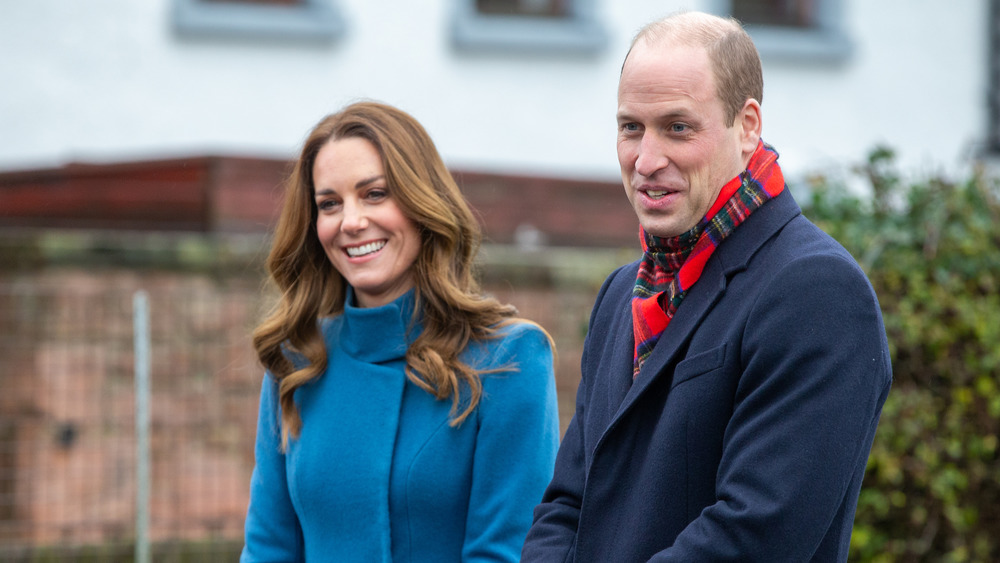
point(377, 194)
point(327, 204)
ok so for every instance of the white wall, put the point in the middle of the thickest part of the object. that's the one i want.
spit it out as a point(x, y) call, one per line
point(109, 80)
point(916, 82)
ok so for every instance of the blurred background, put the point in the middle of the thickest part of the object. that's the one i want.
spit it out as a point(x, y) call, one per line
point(142, 149)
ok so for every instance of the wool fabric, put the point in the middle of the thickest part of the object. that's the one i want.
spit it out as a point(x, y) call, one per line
point(377, 473)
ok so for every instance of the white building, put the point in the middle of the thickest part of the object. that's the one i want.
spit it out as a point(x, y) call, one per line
point(118, 80)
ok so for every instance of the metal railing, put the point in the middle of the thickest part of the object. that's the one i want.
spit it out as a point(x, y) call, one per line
point(127, 416)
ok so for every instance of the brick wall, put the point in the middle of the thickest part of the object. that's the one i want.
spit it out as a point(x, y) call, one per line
point(67, 437)
point(243, 195)
point(77, 242)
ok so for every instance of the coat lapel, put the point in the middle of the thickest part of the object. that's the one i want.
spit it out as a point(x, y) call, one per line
point(696, 304)
point(621, 353)
point(732, 256)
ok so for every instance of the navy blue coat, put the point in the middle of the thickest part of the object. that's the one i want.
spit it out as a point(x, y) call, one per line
point(746, 433)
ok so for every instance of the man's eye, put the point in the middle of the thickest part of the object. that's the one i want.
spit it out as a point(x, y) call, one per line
point(678, 127)
point(631, 127)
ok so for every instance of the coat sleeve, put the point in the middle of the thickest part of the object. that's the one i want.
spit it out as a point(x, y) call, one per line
point(816, 372)
point(516, 442)
point(272, 531)
point(553, 531)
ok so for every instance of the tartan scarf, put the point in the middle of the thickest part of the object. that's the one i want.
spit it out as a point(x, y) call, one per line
point(670, 266)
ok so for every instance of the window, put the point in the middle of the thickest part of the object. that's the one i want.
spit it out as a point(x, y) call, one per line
point(533, 26)
point(781, 13)
point(531, 8)
point(810, 30)
point(299, 20)
point(993, 84)
point(279, 2)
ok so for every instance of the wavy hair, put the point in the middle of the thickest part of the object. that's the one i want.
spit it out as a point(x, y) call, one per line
point(448, 296)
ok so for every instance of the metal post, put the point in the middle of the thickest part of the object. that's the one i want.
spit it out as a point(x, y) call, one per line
point(140, 320)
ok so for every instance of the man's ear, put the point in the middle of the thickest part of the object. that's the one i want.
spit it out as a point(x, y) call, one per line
point(749, 122)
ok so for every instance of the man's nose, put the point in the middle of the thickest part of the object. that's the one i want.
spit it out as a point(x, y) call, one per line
point(652, 156)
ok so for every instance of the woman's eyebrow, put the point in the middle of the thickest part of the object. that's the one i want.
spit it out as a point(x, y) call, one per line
point(360, 184)
point(366, 181)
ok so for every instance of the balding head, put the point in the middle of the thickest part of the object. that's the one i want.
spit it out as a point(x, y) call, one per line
point(735, 61)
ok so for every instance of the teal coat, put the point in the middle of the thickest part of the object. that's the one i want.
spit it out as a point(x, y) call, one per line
point(377, 474)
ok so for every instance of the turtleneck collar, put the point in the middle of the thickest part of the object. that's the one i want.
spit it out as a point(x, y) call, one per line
point(378, 334)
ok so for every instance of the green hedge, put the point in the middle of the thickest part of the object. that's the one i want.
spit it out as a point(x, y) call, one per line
point(931, 249)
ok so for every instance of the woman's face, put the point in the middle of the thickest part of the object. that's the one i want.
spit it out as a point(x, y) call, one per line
point(360, 225)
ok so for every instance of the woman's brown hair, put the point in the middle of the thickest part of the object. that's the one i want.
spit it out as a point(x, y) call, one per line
point(454, 311)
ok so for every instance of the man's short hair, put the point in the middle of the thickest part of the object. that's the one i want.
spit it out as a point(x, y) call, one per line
point(735, 60)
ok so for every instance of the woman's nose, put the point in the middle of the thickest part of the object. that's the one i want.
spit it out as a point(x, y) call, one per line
point(355, 220)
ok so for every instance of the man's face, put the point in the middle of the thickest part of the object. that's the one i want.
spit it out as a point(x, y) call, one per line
point(674, 147)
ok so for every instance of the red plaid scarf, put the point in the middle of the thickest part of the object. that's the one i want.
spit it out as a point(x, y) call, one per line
point(670, 266)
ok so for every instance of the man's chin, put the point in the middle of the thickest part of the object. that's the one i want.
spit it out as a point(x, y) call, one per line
point(659, 227)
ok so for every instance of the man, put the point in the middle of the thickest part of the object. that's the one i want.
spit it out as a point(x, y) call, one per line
point(732, 379)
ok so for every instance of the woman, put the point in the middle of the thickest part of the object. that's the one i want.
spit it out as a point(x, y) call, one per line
point(405, 416)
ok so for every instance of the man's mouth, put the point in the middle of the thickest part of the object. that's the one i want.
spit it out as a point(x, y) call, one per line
point(657, 194)
point(356, 251)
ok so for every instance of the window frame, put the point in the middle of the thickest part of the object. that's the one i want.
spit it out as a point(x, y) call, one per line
point(827, 42)
point(578, 33)
point(993, 80)
point(311, 20)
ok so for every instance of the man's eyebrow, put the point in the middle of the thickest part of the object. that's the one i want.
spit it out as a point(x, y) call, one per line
point(625, 115)
point(674, 114)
